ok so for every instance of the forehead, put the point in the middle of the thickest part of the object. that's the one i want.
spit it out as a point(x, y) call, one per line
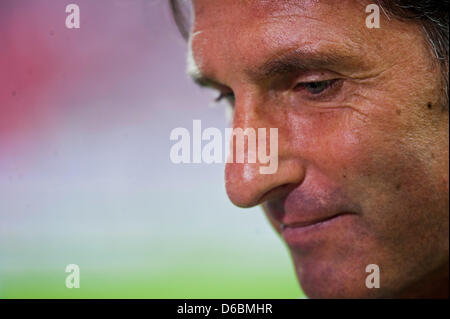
point(234, 9)
point(239, 33)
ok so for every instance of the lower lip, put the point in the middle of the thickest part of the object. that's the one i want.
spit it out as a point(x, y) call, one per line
point(302, 235)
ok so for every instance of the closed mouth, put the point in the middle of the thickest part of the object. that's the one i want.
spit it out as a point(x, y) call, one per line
point(309, 223)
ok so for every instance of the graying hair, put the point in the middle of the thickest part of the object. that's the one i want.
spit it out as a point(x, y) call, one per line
point(432, 15)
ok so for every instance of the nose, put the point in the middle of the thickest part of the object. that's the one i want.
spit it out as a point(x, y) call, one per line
point(245, 184)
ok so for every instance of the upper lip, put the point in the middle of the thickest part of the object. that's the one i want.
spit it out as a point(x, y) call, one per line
point(302, 207)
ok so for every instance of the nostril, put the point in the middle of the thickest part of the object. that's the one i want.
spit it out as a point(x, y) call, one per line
point(277, 192)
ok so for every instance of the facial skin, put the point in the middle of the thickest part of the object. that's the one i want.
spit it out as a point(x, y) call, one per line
point(371, 146)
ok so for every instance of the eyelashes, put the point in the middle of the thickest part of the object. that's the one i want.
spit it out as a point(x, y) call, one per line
point(229, 96)
point(311, 90)
point(316, 88)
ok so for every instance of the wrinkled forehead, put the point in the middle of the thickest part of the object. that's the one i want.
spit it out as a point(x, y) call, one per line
point(210, 11)
point(209, 14)
point(232, 17)
point(247, 31)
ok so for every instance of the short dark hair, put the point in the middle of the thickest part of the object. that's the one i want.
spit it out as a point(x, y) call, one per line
point(432, 15)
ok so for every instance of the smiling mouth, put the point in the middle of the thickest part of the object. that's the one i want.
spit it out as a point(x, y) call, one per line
point(311, 222)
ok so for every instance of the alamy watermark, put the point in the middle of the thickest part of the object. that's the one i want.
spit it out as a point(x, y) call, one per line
point(73, 17)
point(373, 19)
point(373, 279)
point(245, 145)
point(73, 279)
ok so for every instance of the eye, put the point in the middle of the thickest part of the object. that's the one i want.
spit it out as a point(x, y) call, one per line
point(316, 88)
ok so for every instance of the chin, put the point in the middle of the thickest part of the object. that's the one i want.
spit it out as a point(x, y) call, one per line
point(337, 271)
point(322, 280)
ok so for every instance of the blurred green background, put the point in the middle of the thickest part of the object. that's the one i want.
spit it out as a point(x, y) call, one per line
point(214, 257)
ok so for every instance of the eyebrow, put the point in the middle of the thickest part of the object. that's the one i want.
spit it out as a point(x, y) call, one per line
point(297, 60)
point(288, 62)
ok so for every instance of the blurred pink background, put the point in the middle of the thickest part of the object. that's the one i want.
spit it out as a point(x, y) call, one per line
point(85, 173)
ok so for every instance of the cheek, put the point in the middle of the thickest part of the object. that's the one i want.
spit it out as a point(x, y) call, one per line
point(336, 142)
point(381, 167)
point(371, 157)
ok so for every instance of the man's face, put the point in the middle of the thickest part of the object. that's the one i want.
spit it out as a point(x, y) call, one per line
point(363, 154)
